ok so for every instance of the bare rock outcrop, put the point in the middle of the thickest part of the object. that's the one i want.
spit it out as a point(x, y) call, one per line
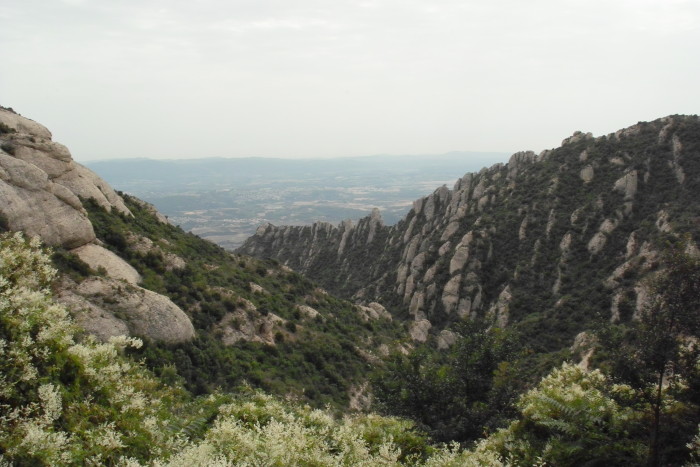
point(373, 311)
point(419, 330)
point(41, 186)
point(42, 191)
point(37, 206)
point(245, 324)
point(98, 257)
point(147, 314)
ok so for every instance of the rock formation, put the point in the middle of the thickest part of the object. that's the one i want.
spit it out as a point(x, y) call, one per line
point(534, 241)
point(42, 189)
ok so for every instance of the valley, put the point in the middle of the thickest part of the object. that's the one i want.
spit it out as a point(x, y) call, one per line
point(226, 200)
point(541, 311)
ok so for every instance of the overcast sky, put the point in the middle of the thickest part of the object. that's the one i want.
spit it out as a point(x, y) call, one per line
point(327, 78)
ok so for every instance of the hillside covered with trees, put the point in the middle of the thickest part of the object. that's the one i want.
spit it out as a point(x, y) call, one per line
point(544, 312)
point(68, 399)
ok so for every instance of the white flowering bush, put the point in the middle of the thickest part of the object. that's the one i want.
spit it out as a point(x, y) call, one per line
point(574, 416)
point(262, 430)
point(66, 400)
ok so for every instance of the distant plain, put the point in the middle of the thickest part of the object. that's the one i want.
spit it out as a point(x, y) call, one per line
point(225, 199)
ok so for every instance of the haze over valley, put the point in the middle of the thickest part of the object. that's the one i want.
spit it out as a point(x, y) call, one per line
point(226, 200)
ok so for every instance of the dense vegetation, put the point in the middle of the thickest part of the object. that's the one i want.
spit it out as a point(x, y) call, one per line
point(67, 399)
point(457, 393)
point(642, 405)
point(316, 359)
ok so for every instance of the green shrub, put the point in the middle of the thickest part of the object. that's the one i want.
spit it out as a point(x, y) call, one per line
point(4, 129)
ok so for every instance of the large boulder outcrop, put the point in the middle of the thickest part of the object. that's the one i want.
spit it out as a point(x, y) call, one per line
point(98, 257)
point(42, 191)
point(35, 205)
point(108, 307)
point(41, 186)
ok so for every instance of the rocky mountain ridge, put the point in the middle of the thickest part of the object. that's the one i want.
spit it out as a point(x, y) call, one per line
point(548, 240)
point(43, 190)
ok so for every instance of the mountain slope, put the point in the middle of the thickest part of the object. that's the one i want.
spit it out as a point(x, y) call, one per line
point(215, 319)
point(549, 241)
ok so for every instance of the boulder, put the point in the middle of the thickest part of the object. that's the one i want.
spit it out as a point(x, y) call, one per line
point(35, 205)
point(419, 330)
point(145, 313)
point(99, 257)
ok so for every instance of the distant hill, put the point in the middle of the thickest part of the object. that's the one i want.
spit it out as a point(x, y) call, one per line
point(225, 200)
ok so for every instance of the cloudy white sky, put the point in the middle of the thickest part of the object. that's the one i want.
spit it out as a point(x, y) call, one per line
point(326, 78)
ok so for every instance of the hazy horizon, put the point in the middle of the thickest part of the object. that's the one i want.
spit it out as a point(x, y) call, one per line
point(310, 79)
point(494, 154)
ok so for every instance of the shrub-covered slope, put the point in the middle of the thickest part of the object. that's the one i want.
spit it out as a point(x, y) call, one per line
point(549, 242)
point(256, 321)
point(67, 399)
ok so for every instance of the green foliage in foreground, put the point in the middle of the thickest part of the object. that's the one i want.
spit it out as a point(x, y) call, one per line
point(66, 399)
point(458, 393)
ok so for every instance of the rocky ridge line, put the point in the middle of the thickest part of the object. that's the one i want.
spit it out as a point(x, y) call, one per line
point(564, 234)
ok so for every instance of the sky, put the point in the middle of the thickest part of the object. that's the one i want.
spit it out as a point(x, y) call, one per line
point(330, 78)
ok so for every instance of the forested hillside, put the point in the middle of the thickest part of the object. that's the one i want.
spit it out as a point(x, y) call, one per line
point(256, 322)
point(544, 312)
point(547, 243)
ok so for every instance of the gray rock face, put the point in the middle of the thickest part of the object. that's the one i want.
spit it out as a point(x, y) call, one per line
point(41, 189)
point(99, 257)
point(516, 233)
point(108, 306)
point(419, 330)
point(587, 174)
point(40, 185)
point(147, 313)
point(39, 207)
point(24, 125)
point(627, 185)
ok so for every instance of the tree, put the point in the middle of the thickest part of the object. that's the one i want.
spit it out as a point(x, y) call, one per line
point(573, 417)
point(456, 394)
point(658, 355)
point(665, 333)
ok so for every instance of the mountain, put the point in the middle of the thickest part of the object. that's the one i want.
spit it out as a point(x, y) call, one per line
point(548, 242)
point(210, 317)
point(486, 286)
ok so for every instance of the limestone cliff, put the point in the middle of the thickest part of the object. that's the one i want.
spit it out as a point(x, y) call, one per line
point(42, 191)
point(545, 240)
